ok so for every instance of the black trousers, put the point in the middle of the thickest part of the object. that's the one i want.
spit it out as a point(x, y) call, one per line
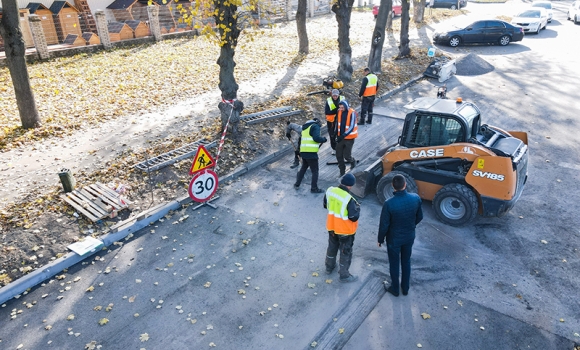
point(313, 164)
point(402, 252)
point(331, 136)
point(367, 108)
point(344, 151)
point(344, 244)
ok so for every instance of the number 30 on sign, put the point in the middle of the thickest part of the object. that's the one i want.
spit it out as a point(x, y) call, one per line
point(203, 185)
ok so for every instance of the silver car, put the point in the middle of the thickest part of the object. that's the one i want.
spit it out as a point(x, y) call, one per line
point(574, 12)
point(532, 20)
point(546, 5)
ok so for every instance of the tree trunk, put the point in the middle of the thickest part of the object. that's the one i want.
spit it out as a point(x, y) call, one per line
point(342, 10)
point(228, 16)
point(301, 26)
point(15, 50)
point(404, 49)
point(378, 40)
point(418, 10)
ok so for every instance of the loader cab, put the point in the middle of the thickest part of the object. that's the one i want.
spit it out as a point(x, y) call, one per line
point(439, 122)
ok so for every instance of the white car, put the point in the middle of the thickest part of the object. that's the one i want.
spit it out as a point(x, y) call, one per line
point(547, 6)
point(574, 12)
point(531, 20)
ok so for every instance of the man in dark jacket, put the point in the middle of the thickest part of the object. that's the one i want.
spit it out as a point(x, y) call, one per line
point(341, 223)
point(330, 110)
point(400, 214)
point(310, 142)
point(367, 93)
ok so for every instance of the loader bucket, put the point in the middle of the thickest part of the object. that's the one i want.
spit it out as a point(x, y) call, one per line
point(366, 180)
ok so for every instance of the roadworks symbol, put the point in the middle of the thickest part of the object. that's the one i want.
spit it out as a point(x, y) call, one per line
point(201, 161)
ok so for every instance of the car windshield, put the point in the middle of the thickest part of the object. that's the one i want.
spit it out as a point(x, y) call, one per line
point(545, 5)
point(529, 13)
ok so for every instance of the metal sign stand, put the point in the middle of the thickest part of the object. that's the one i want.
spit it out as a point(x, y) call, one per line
point(206, 203)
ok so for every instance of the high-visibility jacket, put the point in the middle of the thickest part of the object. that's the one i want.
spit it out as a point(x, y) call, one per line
point(350, 126)
point(332, 107)
point(307, 143)
point(371, 88)
point(337, 219)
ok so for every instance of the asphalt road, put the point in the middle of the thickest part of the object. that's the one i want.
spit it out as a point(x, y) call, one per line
point(238, 277)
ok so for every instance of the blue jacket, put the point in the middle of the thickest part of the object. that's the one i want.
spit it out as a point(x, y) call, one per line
point(400, 214)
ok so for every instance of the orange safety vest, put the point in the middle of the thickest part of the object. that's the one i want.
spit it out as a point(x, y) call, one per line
point(330, 101)
point(371, 88)
point(337, 219)
point(349, 121)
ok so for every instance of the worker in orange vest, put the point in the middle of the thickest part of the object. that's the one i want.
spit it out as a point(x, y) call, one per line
point(367, 93)
point(341, 223)
point(346, 132)
point(331, 109)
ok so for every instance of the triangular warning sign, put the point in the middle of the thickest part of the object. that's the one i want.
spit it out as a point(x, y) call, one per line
point(201, 161)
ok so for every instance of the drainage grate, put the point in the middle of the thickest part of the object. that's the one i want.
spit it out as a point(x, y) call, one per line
point(259, 117)
point(174, 156)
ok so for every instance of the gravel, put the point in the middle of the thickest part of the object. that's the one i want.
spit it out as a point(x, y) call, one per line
point(472, 64)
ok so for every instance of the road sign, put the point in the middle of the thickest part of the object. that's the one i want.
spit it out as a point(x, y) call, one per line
point(203, 185)
point(201, 161)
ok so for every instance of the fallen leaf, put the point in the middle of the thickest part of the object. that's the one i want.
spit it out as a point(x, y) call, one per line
point(543, 241)
point(241, 291)
point(91, 346)
point(91, 288)
point(137, 281)
point(482, 328)
point(212, 344)
point(98, 308)
point(419, 345)
point(132, 299)
point(70, 317)
point(144, 337)
point(294, 274)
point(328, 281)
point(315, 274)
point(103, 321)
point(561, 320)
point(425, 315)
point(313, 344)
point(460, 302)
point(311, 285)
point(341, 330)
point(207, 284)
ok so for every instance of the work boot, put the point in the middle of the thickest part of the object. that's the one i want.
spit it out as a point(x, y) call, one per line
point(348, 279)
point(296, 186)
point(317, 190)
point(362, 122)
point(296, 163)
point(333, 152)
point(352, 163)
point(329, 271)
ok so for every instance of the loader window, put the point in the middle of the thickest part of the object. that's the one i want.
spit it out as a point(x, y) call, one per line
point(435, 131)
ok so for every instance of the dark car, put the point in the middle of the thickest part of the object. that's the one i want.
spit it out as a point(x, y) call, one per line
point(447, 4)
point(490, 31)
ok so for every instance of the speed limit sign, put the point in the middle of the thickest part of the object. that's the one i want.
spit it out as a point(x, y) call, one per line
point(203, 185)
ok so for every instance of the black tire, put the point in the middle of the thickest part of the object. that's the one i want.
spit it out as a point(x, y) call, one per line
point(504, 40)
point(576, 20)
point(393, 14)
point(453, 7)
point(455, 204)
point(454, 41)
point(385, 190)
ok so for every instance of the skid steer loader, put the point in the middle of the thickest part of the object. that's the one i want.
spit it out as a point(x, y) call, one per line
point(450, 158)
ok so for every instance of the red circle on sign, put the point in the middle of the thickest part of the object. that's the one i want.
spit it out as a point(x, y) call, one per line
point(203, 186)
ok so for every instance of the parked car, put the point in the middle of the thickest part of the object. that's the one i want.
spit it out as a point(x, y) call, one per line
point(488, 31)
point(574, 12)
point(546, 5)
point(396, 9)
point(532, 20)
point(447, 4)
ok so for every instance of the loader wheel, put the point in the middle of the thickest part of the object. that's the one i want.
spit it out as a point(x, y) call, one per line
point(455, 204)
point(385, 189)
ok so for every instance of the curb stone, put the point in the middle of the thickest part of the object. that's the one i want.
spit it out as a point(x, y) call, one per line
point(134, 224)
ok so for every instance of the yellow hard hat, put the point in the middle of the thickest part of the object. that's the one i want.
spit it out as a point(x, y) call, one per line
point(338, 84)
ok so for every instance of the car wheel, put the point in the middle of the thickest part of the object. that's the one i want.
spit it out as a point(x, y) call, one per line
point(504, 40)
point(393, 14)
point(455, 204)
point(576, 20)
point(539, 28)
point(454, 41)
point(568, 16)
point(385, 188)
point(453, 7)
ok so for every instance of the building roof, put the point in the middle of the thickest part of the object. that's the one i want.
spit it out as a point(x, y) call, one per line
point(121, 4)
point(133, 24)
point(116, 27)
point(34, 6)
point(88, 35)
point(57, 6)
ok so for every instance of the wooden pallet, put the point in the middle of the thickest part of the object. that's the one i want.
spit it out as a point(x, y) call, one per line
point(96, 201)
